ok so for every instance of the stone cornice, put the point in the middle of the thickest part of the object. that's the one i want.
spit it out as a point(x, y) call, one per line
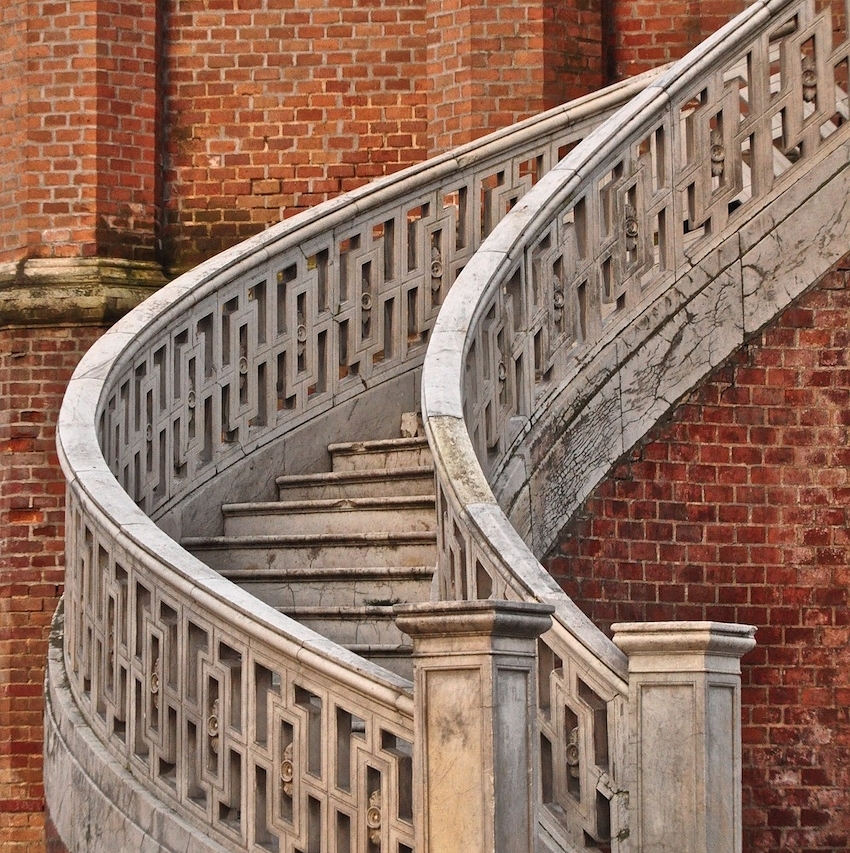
point(73, 291)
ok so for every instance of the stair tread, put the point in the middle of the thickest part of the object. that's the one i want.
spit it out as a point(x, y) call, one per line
point(378, 444)
point(366, 573)
point(350, 611)
point(301, 539)
point(365, 475)
point(395, 502)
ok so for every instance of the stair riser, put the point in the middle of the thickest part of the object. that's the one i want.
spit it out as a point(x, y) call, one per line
point(345, 632)
point(384, 488)
point(268, 520)
point(280, 594)
point(282, 558)
point(369, 460)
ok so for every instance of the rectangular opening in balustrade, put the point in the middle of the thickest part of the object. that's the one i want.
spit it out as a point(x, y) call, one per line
point(312, 707)
point(599, 710)
point(314, 825)
point(196, 645)
point(347, 249)
point(257, 295)
point(455, 203)
point(547, 664)
point(263, 836)
point(140, 743)
point(260, 417)
point(266, 684)
point(319, 263)
point(402, 752)
point(483, 582)
point(547, 775)
point(285, 277)
point(348, 727)
point(194, 791)
point(230, 809)
point(415, 233)
point(343, 833)
point(284, 399)
point(489, 199)
point(168, 757)
point(232, 661)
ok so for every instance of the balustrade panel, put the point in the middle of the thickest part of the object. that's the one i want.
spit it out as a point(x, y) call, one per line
point(610, 230)
point(257, 730)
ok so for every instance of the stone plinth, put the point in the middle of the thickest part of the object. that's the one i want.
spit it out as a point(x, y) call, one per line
point(475, 712)
point(685, 734)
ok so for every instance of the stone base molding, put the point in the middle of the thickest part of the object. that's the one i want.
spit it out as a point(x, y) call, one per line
point(96, 806)
point(74, 291)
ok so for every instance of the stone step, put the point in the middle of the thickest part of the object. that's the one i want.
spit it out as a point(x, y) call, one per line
point(395, 658)
point(343, 587)
point(415, 480)
point(330, 516)
point(351, 626)
point(283, 553)
point(385, 454)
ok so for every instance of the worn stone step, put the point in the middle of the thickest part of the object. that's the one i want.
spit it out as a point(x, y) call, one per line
point(384, 454)
point(347, 587)
point(351, 626)
point(397, 658)
point(281, 553)
point(381, 482)
point(330, 516)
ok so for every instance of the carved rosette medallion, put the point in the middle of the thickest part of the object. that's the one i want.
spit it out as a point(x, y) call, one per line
point(502, 373)
point(301, 337)
point(572, 754)
point(374, 818)
point(558, 302)
point(809, 80)
point(213, 727)
point(436, 269)
point(287, 770)
point(717, 154)
point(630, 228)
point(153, 683)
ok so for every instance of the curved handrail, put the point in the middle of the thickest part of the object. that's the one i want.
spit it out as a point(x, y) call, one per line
point(533, 362)
point(188, 680)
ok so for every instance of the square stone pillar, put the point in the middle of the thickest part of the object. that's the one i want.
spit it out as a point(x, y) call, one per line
point(476, 723)
point(685, 734)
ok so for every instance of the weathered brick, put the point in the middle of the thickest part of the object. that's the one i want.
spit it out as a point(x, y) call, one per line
point(779, 535)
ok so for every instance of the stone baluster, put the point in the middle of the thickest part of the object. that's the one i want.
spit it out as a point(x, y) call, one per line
point(475, 719)
point(685, 734)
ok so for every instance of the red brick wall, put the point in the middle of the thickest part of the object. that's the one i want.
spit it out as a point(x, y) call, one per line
point(736, 510)
point(77, 102)
point(34, 368)
point(493, 62)
point(13, 108)
point(273, 106)
point(644, 34)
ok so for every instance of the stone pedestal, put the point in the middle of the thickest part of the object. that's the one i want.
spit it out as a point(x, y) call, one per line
point(475, 711)
point(685, 734)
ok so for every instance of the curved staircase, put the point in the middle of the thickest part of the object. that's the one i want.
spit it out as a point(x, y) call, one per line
point(338, 549)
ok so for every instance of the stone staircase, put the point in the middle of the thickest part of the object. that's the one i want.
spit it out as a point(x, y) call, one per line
point(338, 549)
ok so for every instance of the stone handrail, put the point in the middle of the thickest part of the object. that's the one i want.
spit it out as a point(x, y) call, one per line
point(628, 272)
point(247, 724)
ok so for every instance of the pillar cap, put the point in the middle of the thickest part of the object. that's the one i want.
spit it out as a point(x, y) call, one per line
point(721, 639)
point(474, 618)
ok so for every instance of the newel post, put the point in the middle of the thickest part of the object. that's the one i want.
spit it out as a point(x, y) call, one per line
point(475, 719)
point(685, 734)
